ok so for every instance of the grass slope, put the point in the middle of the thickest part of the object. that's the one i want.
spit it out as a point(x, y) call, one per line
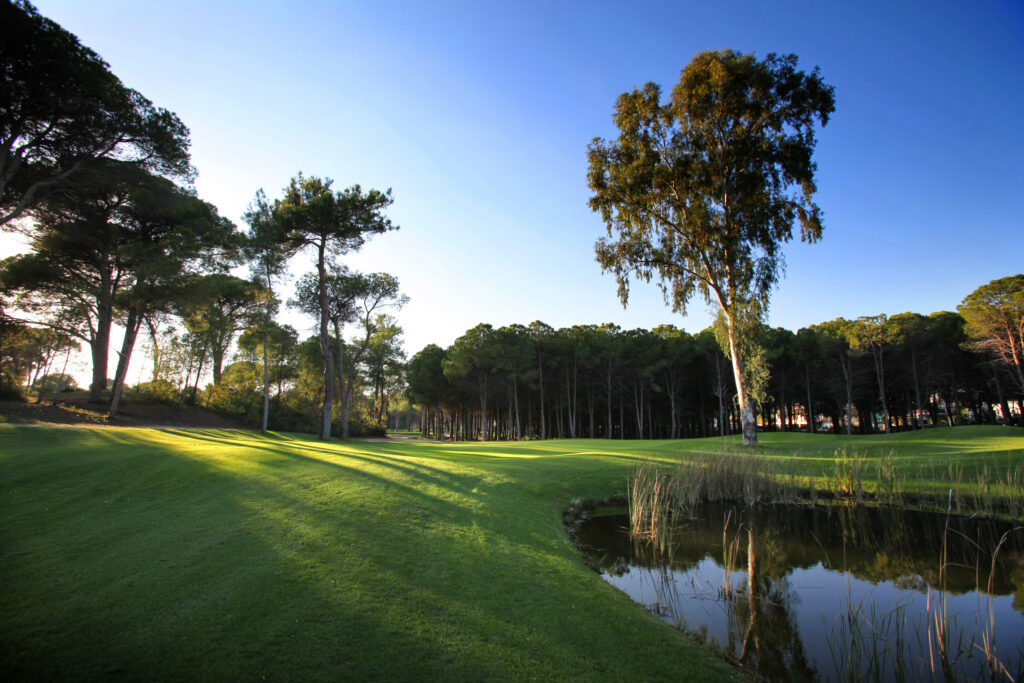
point(214, 555)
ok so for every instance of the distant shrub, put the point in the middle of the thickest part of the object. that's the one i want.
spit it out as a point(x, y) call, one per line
point(47, 384)
point(360, 426)
point(160, 391)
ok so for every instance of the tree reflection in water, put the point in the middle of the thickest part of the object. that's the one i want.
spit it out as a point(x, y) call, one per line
point(831, 590)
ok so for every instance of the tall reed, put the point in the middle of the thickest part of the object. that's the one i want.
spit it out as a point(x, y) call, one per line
point(658, 496)
point(652, 500)
point(848, 474)
point(869, 644)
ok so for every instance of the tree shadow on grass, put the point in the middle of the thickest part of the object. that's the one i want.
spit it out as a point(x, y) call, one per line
point(200, 570)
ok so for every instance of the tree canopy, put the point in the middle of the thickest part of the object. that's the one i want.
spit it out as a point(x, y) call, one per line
point(109, 241)
point(995, 319)
point(62, 111)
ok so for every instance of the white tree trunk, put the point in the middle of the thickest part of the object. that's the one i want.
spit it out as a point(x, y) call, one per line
point(746, 409)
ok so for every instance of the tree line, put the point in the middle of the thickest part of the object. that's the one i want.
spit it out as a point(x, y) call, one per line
point(99, 182)
point(873, 374)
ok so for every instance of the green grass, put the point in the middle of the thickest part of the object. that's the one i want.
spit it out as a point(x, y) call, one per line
point(213, 555)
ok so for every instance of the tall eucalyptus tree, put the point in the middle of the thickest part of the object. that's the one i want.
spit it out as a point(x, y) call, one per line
point(701, 191)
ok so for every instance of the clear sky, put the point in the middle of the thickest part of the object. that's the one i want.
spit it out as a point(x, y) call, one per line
point(478, 115)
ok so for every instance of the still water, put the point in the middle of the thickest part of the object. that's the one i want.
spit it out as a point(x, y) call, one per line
point(837, 593)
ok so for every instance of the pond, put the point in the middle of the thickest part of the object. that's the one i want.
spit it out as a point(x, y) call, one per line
point(836, 593)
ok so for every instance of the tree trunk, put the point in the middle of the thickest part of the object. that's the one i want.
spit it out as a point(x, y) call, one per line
point(810, 409)
point(266, 353)
point(590, 408)
point(847, 375)
point(217, 358)
point(540, 369)
point(515, 397)
point(60, 380)
point(674, 429)
point(1004, 407)
point(638, 399)
point(188, 377)
point(42, 370)
point(131, 331)
point(154, 341)
point(483, 407)
point(721, 411)
point(746, 409)
point(917, 390)
point(622, 415)
point(608, 376)
point(325, 345)
point(100, 346)
point(879, 358)
point(345, 387)
point(570, 404)
point(266, 374)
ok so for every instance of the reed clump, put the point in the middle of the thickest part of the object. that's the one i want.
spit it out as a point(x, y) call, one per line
point(659, 496)
point(662, 494)
point(991, 489)
point(848, 474)
point(652, 500)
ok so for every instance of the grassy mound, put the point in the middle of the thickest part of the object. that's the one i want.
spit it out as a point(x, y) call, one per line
point(136, 411)
point(226, 555)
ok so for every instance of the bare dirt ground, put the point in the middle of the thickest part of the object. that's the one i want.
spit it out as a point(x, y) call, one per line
point(78, 412)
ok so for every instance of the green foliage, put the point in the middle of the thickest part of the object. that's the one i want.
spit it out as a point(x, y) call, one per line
point(62, 111)
point(120, 240)
point(47, 384)
point(383, 365)
point(995, 320)
point(587, 380)
point(26, 352)
point(262, 246)
point(749, 345)
point(697, 190)
point(160, 391)
point(239, 391)
point(361, 425)
point(312, 215)
point(427, 383)
point(215, 307)
point(282, 341)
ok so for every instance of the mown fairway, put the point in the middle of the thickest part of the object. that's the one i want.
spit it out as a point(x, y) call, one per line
point(216, 555)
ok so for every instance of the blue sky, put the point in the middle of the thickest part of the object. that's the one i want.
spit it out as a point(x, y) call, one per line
point(478, 115)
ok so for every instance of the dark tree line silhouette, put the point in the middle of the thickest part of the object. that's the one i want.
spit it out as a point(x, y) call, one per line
point(873, 374)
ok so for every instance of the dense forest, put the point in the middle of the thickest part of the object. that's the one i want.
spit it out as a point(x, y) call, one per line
point(873, 374)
